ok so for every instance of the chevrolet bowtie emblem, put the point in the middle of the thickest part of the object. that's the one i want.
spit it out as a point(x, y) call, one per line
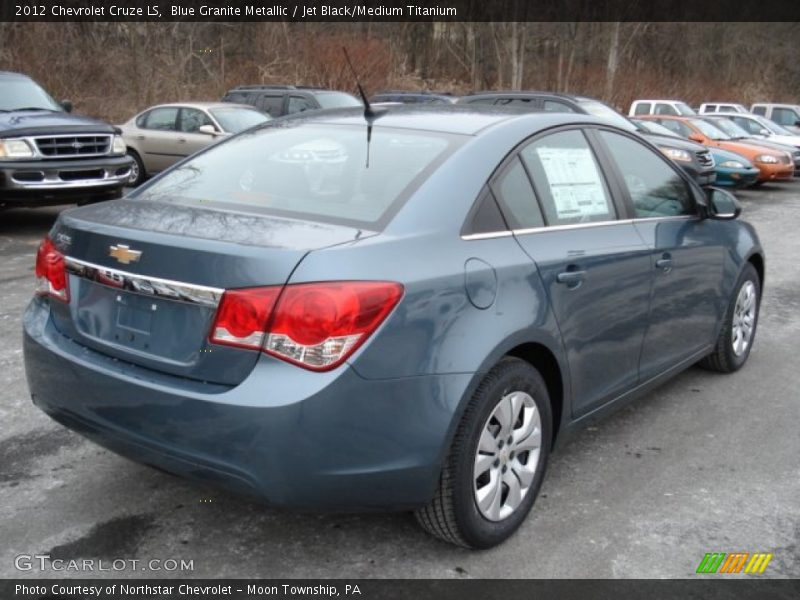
point(124, 254)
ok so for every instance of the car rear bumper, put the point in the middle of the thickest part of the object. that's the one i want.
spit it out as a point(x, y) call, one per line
point(40, 181)
point(328, 441)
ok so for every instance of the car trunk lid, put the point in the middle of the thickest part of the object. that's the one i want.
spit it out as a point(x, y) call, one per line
point(145, 279)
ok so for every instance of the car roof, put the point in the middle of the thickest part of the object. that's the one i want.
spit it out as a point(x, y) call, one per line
point(411, 93)
point(461, 119)
point(658, 100)
point(201, 105)
point(671, 117)
point(520, 93)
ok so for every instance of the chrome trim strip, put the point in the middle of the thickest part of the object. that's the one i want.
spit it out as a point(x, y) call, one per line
point(506, 233)
point(148, 286)
point(487, 236)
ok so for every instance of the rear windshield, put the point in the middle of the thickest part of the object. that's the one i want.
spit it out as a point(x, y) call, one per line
point(336, 100)
point(598, 109)
point(236, 119)
point(309, 171)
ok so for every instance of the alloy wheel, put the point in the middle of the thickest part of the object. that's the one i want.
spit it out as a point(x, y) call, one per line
point(744, 318)
point(507, 456)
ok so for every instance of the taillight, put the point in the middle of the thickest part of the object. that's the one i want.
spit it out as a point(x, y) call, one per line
point(51, 273)
point(242, 316)
point(314, 325)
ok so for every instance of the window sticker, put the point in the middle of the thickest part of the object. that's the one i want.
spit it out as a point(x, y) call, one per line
point(575, 183)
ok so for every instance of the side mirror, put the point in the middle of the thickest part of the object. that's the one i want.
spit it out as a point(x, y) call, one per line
point(207, 129)
point(764, 132)
point(722, 205)
point(696, 137)
point(66, 105)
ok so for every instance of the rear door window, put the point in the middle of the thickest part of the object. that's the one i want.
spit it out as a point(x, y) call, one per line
point(665, 109)
point(272, 104)
point(642, 108)
point(162, 119)
point(759, 110)
point(568, 179)
point(299, 104)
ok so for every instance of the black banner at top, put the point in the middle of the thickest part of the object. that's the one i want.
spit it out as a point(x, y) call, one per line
point(397, 10)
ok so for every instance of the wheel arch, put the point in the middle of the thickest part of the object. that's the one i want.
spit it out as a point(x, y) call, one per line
point(757, 260)
point(543, 360)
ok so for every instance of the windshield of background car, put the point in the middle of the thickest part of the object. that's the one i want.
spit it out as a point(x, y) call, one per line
point(336, 100)
point(24, 93)
point(234, 120)
point(309, 171)
point(684, 109)
point(709, 130)
point(656, 128)
point(598, 109)
point(773, 127)
point(730, 128)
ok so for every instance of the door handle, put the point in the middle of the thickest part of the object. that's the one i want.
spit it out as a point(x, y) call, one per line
point(664, 263)
point(181, 140)
point(571, 278)
point(140, 137)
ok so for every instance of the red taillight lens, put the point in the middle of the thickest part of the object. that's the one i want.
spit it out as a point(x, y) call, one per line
point(242, 317)
point(318, 325)
point(314, 325)
point(51, 274)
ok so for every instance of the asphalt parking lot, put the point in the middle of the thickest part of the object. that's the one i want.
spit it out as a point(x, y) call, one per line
point(707, 463)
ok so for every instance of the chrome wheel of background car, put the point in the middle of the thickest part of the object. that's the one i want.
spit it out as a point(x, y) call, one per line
point(133, 177)
point(744, 318)
point(507, 456)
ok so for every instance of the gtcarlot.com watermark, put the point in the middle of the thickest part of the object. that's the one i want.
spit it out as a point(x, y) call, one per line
point(43, 562)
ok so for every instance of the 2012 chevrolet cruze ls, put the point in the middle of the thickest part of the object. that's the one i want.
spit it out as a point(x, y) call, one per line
point(402, 318)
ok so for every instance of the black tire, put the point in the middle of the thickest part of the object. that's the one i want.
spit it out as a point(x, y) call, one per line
point(723, 358)
point(138, 173)
point(453, 514)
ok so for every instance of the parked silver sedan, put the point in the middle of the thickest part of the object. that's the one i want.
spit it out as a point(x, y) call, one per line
point(162, 135)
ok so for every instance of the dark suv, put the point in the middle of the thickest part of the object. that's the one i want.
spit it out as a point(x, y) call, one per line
point(48, 156)
point(693, 158)
point(280, 100)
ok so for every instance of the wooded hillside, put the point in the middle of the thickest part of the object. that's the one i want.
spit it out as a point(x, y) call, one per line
point(113, 70)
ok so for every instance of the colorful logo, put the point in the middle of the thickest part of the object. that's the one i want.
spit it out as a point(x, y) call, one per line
point(735, 562)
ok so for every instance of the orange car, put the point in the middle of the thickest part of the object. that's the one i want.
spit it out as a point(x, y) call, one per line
point(772, 164)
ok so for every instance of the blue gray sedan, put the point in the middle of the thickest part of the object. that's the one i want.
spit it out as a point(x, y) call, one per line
point(407, 312)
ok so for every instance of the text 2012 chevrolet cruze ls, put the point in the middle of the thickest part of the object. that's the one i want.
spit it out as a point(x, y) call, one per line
point(408, 322)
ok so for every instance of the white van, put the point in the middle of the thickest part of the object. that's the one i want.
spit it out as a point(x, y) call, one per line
point(674, 108)
point(718, 107)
